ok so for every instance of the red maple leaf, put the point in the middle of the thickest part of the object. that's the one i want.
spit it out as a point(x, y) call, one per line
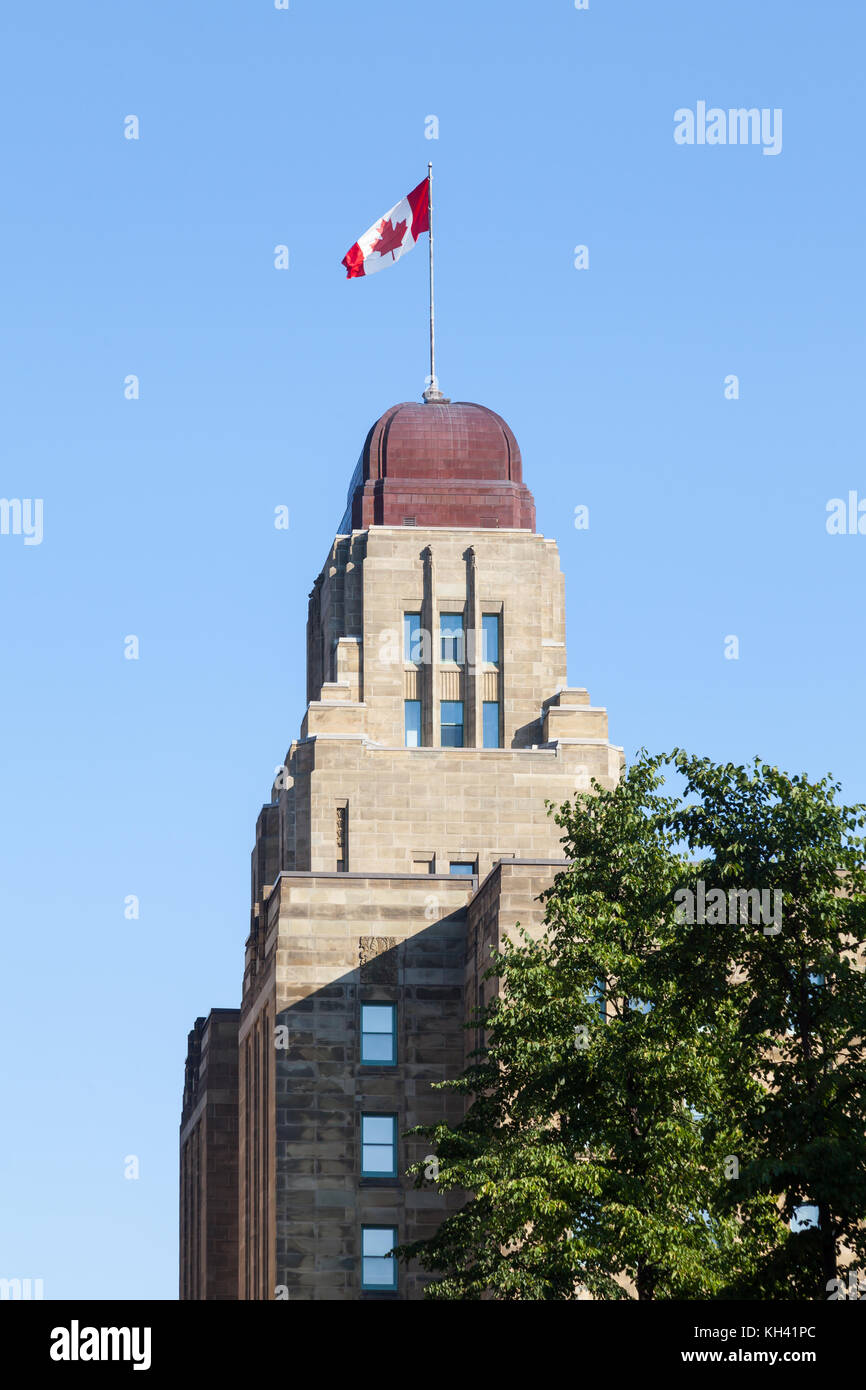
point(390, 238)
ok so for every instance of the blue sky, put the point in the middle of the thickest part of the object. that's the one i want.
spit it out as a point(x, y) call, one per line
point(155, 257)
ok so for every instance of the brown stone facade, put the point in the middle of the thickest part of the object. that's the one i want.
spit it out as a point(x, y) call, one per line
point(388, 861)
point(209, 1160)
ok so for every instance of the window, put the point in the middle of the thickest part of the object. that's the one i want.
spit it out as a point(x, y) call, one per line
point(805, 1218)
point(816, 981)
point(490, 637)
point(342, 837)
point(412, 637)
point(596, 997)
point(379, 1035)
point(451, 630)
point(461, 867)
point(451, 712)
point(378, 1265)
point(379, 1146)
point(491, 723)
point(412, 722)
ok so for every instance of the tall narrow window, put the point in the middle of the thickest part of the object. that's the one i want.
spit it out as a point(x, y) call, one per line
point(412, 641)
point(451, 631)
point(491, 723)
point(379, 1146)
point(815, 982)
point(379, 1035)
point(452, 723)
point(342, 837)
point(596, 996)
point(490, 637)
point(412, 716)
point(378, 1265)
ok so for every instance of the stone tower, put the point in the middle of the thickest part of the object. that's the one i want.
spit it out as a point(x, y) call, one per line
point(406, 832)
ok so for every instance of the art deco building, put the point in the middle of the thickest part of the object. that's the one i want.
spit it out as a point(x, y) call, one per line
point(405, 834)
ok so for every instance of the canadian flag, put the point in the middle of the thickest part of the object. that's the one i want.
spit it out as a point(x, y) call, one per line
point(392, 236)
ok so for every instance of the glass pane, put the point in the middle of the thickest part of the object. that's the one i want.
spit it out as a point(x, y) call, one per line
point(451, 713)
point(490, 629)
point(377, 1018)
point(412, 713)
point(451, 631)
point(377, 1158)
point(378, 1273)
point(412, 637)
point(461, 868)
point(378, 1241)
point(377, 1129)
point(377, 1047)
point(491, 723)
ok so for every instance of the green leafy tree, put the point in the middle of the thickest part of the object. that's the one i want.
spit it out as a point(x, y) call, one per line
point(598, 1140)
point(798, 992)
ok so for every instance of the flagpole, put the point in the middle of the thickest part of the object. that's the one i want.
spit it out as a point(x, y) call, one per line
point(432, 395)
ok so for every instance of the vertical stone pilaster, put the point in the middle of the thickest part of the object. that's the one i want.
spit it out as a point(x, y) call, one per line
point(315, 666)
point(472, 671)
point(430, 669)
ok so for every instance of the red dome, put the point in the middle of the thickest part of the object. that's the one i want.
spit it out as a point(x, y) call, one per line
point(439, 465)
